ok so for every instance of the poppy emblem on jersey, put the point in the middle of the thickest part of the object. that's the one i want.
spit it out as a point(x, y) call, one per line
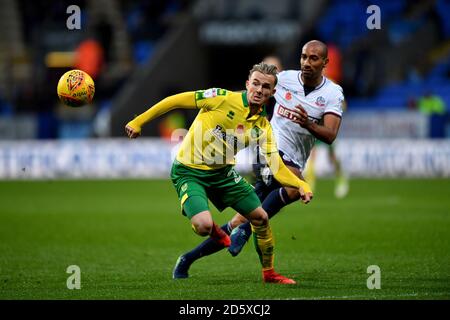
point(320, 102)
point(210, 93)
point(288, 96)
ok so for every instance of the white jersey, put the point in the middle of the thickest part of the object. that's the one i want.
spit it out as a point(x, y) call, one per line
point(294, 141)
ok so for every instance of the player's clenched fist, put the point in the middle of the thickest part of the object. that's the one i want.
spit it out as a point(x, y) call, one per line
point(131, 132)
point(306, 197)
point(301, 116)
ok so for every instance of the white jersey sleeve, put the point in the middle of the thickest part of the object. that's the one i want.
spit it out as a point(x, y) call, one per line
point(336, 103)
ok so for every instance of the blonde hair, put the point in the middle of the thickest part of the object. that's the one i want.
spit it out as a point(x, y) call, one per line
point(265, 68)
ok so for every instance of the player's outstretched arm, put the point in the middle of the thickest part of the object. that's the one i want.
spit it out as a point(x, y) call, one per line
point(185, 100)
point(286, 178)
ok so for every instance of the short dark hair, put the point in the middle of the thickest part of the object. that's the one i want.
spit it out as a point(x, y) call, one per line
point(265, 68)
point(321, 45)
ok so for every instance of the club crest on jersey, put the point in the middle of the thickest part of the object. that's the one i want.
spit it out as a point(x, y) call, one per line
point(320, 101)
point(255, 132)
point(288, 96)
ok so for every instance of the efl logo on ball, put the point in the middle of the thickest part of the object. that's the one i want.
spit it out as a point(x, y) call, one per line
point(76, 88)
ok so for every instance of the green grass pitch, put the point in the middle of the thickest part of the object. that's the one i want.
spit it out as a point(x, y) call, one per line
point(126, 236)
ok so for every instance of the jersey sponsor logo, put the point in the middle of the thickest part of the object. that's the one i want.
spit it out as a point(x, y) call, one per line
point(285, 112)
point(320, 101)
point(228, 138)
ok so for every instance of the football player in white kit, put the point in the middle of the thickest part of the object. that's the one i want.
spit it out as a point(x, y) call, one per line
point(308, 107)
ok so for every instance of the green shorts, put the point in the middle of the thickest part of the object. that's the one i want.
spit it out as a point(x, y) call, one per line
point(223, 187)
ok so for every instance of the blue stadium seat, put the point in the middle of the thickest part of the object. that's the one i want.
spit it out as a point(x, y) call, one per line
point(344, 22)
point(443, 8)
point(390, 9)
point(143, 50)
point(439, 72)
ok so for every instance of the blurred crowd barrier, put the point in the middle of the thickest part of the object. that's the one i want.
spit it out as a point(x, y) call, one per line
point(152, 158)
point(355, 124)
point(385, 124)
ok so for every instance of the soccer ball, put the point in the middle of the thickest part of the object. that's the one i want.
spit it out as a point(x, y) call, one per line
point(76, 88)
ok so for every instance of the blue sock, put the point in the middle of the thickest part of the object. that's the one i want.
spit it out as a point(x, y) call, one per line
point(207, 247)
point(272, 204)
point(275, 201)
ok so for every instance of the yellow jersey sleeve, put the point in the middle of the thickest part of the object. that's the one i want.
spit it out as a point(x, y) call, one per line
point(210, 99)
point(281, 173)
point(185, 100)
point(285, 176)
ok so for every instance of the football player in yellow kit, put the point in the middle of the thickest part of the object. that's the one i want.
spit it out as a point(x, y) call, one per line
point(204, 167)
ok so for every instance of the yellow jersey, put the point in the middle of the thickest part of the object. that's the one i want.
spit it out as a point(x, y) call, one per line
point(222, 128)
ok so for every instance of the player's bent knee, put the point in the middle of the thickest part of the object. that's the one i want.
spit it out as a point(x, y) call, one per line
point(202, 223)
point(202, 229)
point(258, 217)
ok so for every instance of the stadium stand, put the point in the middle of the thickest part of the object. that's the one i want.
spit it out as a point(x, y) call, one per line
point(145, 40)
